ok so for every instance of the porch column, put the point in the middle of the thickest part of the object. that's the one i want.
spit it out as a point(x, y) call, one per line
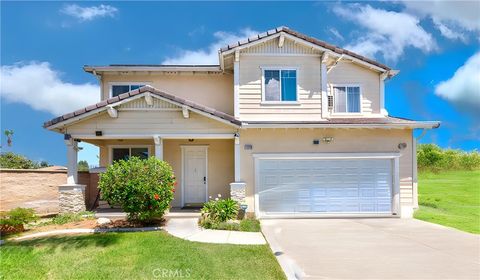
point(158, 147)
point(238, 188)
point(237, 158)
point(71, 196)
point(72, 161)
point(324, 86)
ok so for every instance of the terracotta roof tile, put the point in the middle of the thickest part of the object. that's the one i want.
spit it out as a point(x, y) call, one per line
point(144, 89)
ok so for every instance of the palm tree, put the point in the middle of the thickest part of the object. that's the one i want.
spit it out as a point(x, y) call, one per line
point(9, 134)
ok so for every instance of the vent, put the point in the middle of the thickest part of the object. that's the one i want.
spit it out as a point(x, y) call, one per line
point(330, 102)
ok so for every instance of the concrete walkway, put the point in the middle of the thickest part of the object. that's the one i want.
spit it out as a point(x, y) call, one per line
point(186, 227)
point(387, 248)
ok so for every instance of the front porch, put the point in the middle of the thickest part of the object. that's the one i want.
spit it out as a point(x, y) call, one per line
point(205, 166)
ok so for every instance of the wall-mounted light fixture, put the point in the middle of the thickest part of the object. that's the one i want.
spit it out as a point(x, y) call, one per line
point(402, 146)
point(327, 139)
point(191, 140)
point(98, 133)
point(248, 147)
point(316, 141)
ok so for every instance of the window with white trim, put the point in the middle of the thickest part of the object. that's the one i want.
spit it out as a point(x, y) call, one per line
point(346, 99)
point(125, 153)
point(117, 89)
point(280, 85)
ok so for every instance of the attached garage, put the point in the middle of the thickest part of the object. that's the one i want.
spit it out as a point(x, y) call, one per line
point(298, 185)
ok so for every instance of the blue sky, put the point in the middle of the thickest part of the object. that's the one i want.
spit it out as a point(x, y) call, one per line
point(44, 45)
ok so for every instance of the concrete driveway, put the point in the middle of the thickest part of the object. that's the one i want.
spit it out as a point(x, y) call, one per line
point(387, 248)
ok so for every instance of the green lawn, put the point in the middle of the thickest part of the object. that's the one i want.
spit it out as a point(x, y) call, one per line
point(450, 198)
point(147, 255)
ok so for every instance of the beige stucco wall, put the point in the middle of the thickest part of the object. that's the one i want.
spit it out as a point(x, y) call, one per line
point(345, 140)
point(220, 161)
point(31, 189)
point(220, 165)
point(212, 90)
point(368, 80)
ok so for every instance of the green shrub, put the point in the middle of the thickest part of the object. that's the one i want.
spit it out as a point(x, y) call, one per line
point(66, 218)
point(431, 157)
point(15, 161)
point(252, 225)
point(16, 219)
point(217, 211)
point(144, 188)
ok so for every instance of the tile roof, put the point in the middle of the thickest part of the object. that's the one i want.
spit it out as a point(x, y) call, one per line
point(226, 117)
point(388, 120)
point(124, 96)
point(309, 39)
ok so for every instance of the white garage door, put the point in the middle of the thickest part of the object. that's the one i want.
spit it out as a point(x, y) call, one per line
point(324, 186)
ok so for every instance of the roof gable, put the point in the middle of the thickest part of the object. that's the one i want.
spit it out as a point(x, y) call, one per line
point(304, 39)
point(133, 95)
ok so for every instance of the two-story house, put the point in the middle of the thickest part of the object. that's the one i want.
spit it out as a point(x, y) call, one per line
point(290, 125)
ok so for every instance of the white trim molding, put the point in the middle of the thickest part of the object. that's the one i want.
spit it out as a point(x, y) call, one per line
point(236, 85)
point(126, 146)
point(280, 69)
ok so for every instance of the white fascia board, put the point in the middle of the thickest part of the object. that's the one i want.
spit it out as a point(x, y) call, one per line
point(426, 125)
point(99, 69)
point(326, 155)
point(160, 135)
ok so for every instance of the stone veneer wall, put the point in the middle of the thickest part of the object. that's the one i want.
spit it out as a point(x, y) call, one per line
point(39, 189)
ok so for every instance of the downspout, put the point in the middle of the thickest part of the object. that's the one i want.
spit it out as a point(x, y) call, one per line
point(415, 168)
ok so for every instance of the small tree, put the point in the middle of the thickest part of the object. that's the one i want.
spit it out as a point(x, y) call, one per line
point(83, 165)
point(144, 188)
point(15, 161)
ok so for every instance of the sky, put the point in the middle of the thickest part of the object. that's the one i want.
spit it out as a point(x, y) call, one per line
point(44, 46)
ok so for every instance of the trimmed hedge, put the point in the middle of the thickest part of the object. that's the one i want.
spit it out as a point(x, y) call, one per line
point(431, 157)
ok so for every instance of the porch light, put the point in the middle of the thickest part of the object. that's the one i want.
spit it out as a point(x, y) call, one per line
point(327, 140)
point(402, 146)
point(98, 133)
point(190, 140)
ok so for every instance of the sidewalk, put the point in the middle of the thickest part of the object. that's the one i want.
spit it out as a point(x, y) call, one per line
point(188, 229)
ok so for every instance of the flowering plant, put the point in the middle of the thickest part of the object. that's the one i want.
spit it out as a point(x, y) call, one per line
point(144, 188)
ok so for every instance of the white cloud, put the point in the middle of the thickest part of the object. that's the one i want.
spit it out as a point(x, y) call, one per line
point(37, 85)
point(388, 32)
point(463, 13)
point(89, 13)
point(447, 32)
point(336, 33)
point(210, 54)
point(463, 89)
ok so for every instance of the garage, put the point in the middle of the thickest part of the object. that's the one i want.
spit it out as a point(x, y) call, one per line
point(299, 185)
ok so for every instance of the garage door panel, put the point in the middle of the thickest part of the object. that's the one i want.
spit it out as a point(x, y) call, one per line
point(289, 186)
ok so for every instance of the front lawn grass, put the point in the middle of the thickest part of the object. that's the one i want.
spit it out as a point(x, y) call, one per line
point(450, 198)
point(142, 255)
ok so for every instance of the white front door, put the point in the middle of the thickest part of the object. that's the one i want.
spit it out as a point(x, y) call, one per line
point(195, 174)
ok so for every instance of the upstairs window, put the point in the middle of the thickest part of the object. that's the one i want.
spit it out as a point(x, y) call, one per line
point(126, 152)
point(117, 89)
point(280, 85)
point(346, 99)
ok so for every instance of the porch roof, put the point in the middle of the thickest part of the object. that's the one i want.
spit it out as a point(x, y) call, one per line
point(103, 105)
